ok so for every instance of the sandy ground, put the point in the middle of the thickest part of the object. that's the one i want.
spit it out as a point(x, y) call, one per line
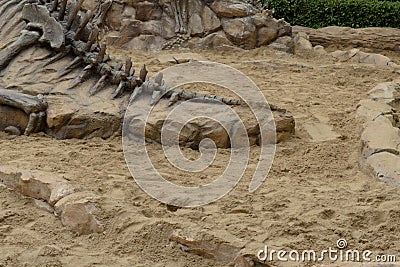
point(314, 195)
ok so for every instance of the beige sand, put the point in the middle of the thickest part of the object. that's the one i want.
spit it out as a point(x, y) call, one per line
point(314, 195)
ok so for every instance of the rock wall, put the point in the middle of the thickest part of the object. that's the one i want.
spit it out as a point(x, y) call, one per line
point(168, 24)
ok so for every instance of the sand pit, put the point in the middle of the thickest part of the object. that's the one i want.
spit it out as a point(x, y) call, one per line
point(314, 194)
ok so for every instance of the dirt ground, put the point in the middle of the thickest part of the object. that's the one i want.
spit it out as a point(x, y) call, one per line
point(314, 194)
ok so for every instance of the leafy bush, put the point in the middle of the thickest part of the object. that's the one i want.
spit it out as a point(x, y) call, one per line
point(352, 13)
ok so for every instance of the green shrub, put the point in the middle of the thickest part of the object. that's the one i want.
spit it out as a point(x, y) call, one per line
point(352, 13)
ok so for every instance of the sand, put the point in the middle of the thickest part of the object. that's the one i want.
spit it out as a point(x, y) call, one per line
point(314, 194)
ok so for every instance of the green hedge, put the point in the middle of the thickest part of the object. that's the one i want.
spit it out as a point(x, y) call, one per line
point(352, 13)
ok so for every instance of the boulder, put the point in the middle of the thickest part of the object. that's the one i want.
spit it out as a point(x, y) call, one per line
point(78, 217)
point(214, 40)
point(266, 35)
point(233, 8)
point(210, 20)
point(77, 197)
point(283, 44)
point(168, 26)
point(77, 213)
point(114, 15)
point(240, 31)
point(11, 116)
point(81, 118)
point(132, 28)
point(302, 44)
point(319, 50)
point(205, 127)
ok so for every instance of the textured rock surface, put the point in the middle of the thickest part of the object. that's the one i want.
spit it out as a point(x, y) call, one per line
point(156, 25)
point(198, 129)
point(375, 38)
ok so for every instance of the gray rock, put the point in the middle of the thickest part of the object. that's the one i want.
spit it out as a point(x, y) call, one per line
point(12, 130)
point(283, 44)
point(233, 8)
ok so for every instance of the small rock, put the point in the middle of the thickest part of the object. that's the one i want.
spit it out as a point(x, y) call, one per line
point(384, 166)
point(319, 50)
point(283, 44)
point(240, 31)
point(50, 250)
point(232, 8)
point(12, 130)
point(302, 43)
point(78, 218)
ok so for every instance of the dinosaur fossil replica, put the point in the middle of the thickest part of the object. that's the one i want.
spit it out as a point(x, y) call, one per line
point(67, 29)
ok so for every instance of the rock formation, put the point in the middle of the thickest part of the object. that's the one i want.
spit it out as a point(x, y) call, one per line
point(52, 50)
point(166, 24)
